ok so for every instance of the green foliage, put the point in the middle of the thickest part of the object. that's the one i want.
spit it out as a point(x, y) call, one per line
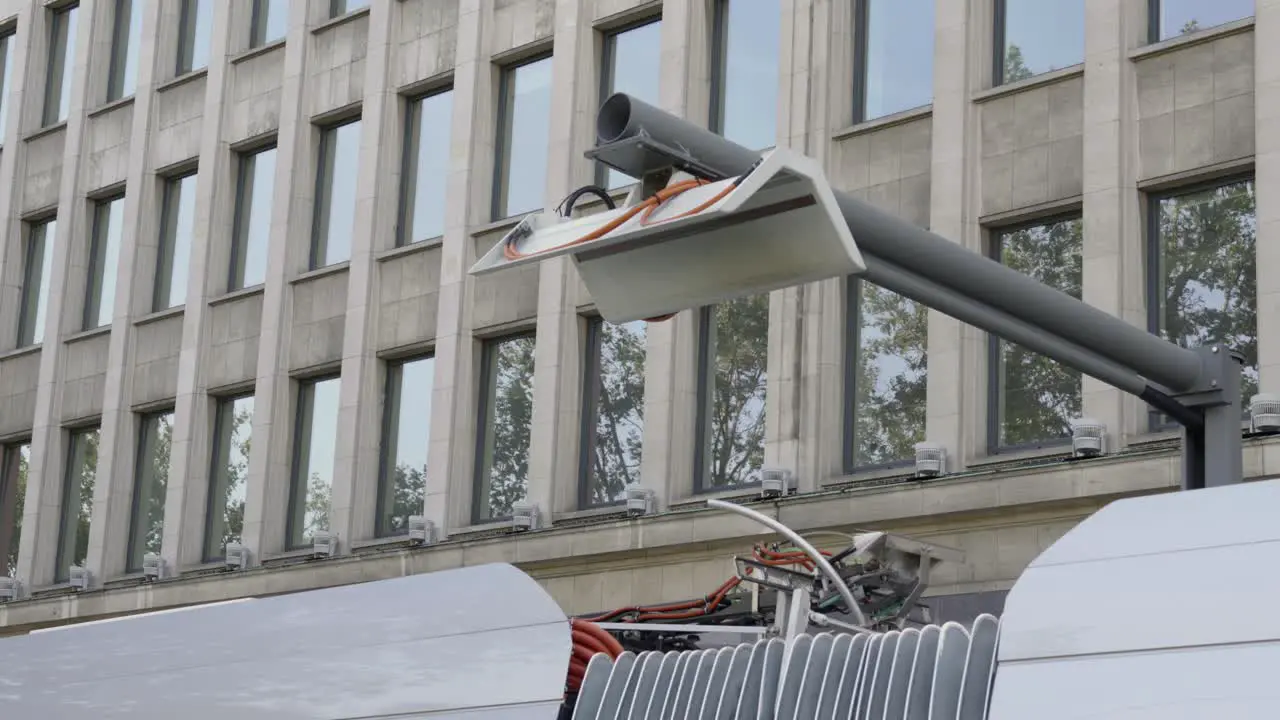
point(740, 333)
point(511, 417)
point(229, 517)
point(1038, 397)
point(1015, 67)
point(13, 496)
point(408, 493)
point(1209, 289)
point(155, 481)
point(86, 474)
point(892, 374)
point(317, 507)
point(619, 423)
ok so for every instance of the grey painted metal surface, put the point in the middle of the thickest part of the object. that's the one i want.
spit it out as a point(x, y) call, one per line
point(825, 677)
point(422, 646)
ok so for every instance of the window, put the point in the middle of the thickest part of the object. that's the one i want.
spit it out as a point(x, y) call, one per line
point(177, 220)
point(744, 84)
point(338, 8)
point(733, 352)
point(150, 481)
point(315, 436)
point(6, 59)
point(254, 187)
point(630, 65)
point(38, 264)
point(894, 40)
point(336, 194)
point(122, 79)
point(195, 26)
point(77, 501)
point(232, 436)
point(1034, 37)
point(1203, 283)
point(405, 437)
point(506, 415)
point(62, 60)
point(108, 223)
point(426, 168)
point(613, 411)
point(524, 127)
point(1031, 398)
point(269, 23)
point(1171, 18)
point(886, 375)
point(16, 460)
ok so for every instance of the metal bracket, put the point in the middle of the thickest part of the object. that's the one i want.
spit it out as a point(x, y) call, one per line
point(1212, 449)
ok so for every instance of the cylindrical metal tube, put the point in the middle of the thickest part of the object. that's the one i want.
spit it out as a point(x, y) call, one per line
point(882, 235)
point(1002, 324)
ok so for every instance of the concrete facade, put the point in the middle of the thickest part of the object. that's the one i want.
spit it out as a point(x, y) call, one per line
point(1131, 118)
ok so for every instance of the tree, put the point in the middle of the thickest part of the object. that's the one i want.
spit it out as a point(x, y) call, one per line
point(511, 417)
point(619, 404)
point(1038, 396)
point(12, 499)
point(408, 492)
point(317, 506)
point(240, 439)
point(156, 478)
point(1015, 67)
point(740, 332)
point(87, 474)
point(891, 376)
point(1208, 276)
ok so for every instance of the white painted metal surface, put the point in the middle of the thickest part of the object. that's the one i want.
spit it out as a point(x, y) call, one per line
point(1154, 608)
point(432, 645)
point(728, 250)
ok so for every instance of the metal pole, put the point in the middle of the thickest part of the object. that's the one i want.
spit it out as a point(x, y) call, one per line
point(882, 235)
point(804, 545)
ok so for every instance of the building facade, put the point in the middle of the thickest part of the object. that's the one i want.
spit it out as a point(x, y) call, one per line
point(235, 309)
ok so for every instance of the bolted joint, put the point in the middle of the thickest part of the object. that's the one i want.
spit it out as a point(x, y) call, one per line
point(1220, 378)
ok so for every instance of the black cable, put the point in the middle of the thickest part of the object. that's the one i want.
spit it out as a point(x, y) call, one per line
point(568, 203)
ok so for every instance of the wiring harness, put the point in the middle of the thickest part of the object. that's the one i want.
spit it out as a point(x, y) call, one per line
point(645, 209)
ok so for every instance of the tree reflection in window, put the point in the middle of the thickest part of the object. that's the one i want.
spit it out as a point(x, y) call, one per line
point(1206, 276)
point(735, 353)
point(615, 407)
point(892, 363)
point(1034, 398)
point(507, 415)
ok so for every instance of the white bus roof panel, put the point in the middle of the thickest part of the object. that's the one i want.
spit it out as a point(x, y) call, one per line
point(480, 643)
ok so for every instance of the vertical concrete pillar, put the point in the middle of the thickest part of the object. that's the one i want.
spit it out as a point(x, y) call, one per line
point(113, 490)
point(821, 452)
point(42, 512)
point(355, 480)
point(1267, 170)
point(671, 373)
point(557, 382)
point(23, 94)
point(783, 393)
point(957, 352)
point(451, 453)
point(24, 98)
point(267, 485)
point(1114, 251)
